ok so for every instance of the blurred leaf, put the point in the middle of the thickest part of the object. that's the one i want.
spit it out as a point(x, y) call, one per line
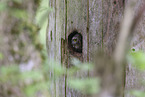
point(42, 13)
point(42, 19)
point(8, 70)
point(31, 90)
point(32, 75)
point(43, 34)
point(72, 70)
point(82, 66)
point(75, 61)
point(87, 66)
point(3, 6)
point(86, 86)
point(19, 13)
point(17, 1)
point(9, 73)
point(137, 59)
point(56, 68)
point(137, 93)
point(1, 56)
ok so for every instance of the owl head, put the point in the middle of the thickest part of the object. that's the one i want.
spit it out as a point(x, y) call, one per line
point(75, 42)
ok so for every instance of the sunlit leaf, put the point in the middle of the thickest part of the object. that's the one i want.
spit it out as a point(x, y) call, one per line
point(43, 34)
point(42, 13)
point(86, 86)
point(42, 19)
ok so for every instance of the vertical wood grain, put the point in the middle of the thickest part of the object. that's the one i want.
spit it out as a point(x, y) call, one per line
point(77, 20)
point(99, 23)
point(55, 42)
point(51, 43)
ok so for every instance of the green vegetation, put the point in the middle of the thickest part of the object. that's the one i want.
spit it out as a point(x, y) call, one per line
point(31, 82)
point(42, 19)
point(86, 85)
point(27, 82)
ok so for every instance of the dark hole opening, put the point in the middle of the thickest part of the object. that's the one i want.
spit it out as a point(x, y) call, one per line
point(51, 35)
point(75, 41)
point(114, 2)
point(133, 49)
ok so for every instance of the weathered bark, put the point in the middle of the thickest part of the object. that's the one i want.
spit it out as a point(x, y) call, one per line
point(135, 77)
point(97, 20)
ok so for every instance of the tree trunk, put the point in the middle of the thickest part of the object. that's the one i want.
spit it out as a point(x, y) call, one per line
point(135, 77)
point(98, 21)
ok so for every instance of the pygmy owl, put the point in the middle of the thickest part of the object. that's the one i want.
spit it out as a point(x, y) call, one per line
point(76, 42)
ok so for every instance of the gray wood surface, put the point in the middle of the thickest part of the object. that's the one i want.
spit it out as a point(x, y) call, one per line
point(99, 22)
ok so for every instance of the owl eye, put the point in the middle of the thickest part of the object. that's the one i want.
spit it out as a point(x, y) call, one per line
point(74, 40)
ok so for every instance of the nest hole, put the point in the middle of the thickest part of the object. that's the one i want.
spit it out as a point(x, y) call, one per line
point(77, 48)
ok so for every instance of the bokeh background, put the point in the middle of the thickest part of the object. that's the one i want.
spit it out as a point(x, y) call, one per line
point(19, 35)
